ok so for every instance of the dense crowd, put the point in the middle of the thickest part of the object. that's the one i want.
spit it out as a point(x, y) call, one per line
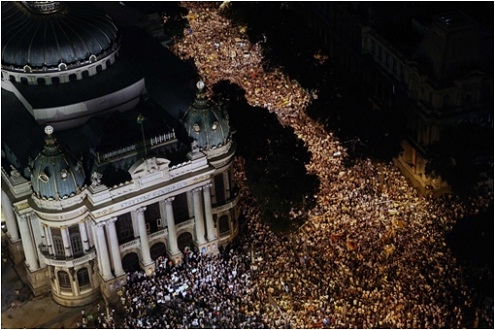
point(372, 253)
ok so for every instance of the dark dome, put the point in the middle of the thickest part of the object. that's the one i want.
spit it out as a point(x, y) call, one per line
point(54, 174)
point(47, 33)
point(206, 123)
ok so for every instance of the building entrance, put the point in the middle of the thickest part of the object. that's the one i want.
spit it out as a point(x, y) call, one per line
point(185, 240)
point(130, 262)
point(158, 249)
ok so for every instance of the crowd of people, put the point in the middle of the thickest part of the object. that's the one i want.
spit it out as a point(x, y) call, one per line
point(372, 253)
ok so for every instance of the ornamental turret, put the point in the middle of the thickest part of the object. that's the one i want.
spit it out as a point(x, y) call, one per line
point(207, 124)
point(55, 174)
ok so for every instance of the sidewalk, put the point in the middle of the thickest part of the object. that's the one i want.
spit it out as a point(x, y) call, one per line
point(21, 310)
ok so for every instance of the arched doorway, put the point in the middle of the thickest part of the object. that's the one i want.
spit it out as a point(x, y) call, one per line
point(130, 262)
point(158, 249)
point(185, 240)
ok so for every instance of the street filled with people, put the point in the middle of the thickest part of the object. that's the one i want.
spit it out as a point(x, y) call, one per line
point(372, 253)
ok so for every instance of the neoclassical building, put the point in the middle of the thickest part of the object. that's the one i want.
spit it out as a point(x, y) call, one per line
point(99, 179)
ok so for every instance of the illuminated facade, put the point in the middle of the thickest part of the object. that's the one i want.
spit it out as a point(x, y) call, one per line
point(106, 180)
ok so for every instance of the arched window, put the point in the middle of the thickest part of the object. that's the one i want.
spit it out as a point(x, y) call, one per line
point(55, 80)
point(64, 279)
point(85, 74)
point(99, 68)
point(41, 81)
point(83, 277)
point(72, 77)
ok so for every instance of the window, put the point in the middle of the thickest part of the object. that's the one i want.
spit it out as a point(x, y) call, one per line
point(41, 81)
point(63, 279)
point(75, 241)
point(151, 214)
point(125, 232)
point(223, 225)
point(55, 80)
point(179, 206)
point(58, 243)
point(83, 277)
point(219, 188)
point(446, 101)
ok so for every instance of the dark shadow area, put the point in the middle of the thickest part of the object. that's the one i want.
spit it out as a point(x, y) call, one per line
point(471, 241)
point(275, 159)
point(464, 157)
point(366, 131)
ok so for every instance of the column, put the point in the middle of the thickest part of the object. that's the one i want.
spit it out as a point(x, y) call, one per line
point(115, 248)
point(10, 221)
point(74, 283)
point(65, 238)
point(49, 239)
point(84, 235)
point(101, 245)
point(213, 192)
point(172, 235)
point(44, 239)
point(27, 243)
point(198, 217)
point(143, 235)
point(190, 206)
point(210, 226)
point(38, 238)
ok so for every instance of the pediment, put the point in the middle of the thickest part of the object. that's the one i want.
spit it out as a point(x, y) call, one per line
point(144, 167)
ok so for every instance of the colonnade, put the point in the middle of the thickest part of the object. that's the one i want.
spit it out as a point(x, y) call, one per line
point(106, 241)
point(108, 246)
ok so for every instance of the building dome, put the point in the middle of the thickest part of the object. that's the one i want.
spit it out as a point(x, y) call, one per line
point(206, 123)
point(49, 34)
point(54, 174)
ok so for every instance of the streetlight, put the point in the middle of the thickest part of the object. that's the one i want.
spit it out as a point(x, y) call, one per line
point(140, 120)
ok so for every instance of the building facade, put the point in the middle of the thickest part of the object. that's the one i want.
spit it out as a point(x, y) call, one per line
point(106, 182)
point(435, 66)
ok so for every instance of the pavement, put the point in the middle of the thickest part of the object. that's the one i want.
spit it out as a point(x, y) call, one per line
point(21, 310)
